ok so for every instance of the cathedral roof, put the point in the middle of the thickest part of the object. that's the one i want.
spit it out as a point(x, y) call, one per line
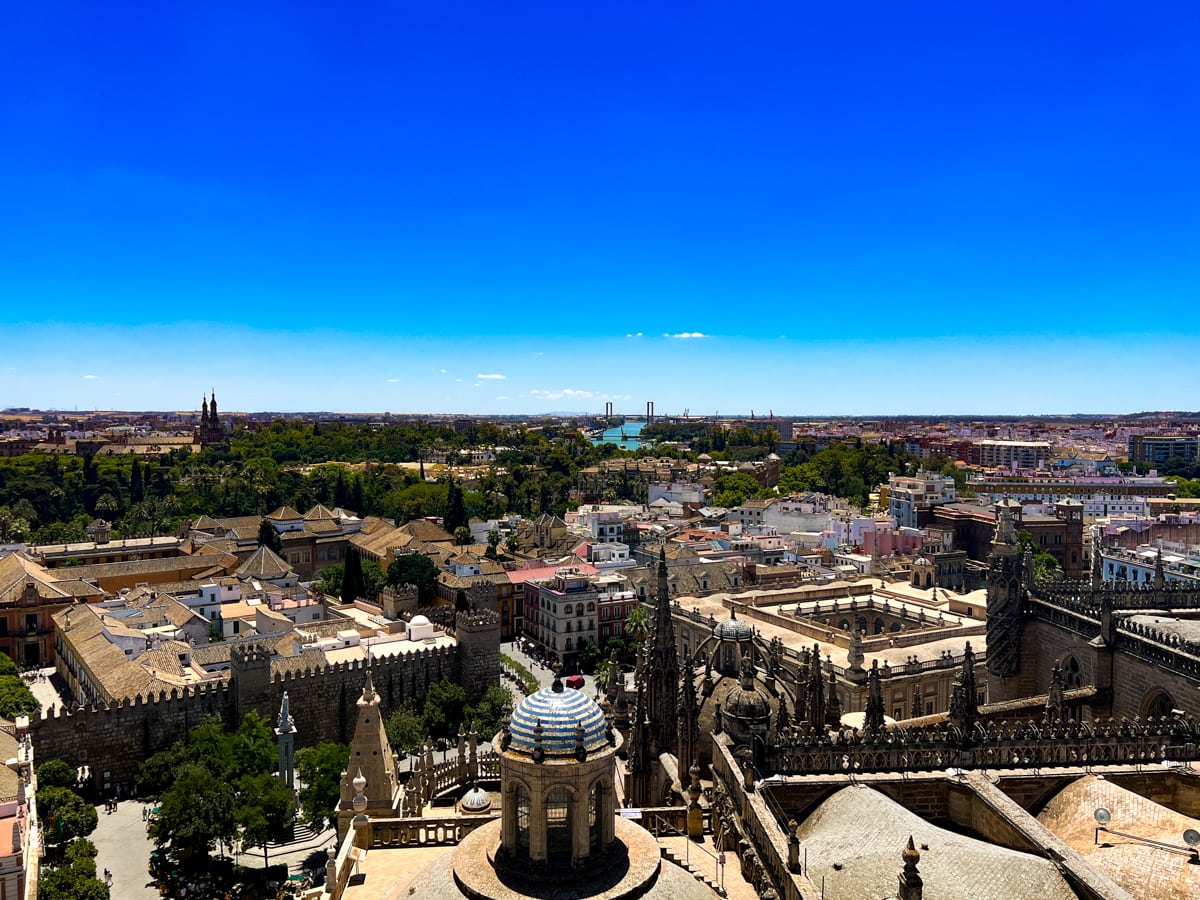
point(559, 712)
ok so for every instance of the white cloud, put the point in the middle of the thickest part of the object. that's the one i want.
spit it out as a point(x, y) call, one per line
point(443, 371)
point(90, 377)
point(560, 394)
point(482, 377)
point(393, 381)
point(632, 335)
point(685, 335)
point(502, 397)
point(458, 379)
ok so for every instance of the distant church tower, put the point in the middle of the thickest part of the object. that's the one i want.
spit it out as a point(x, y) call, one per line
point(210, 431)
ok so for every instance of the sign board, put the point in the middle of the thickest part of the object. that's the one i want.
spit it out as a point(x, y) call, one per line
point(358, 854)
point(631, 814)
point(721, 859)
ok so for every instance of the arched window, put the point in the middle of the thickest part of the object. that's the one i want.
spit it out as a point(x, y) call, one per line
point(593, 822)
point(1071, 674)
point(1159, 703)
point(558, 822)
point(591, 607)
point(878, 627)
point(522, 818)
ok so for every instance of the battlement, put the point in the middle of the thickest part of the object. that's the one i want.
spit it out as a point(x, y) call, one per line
point(476, 619)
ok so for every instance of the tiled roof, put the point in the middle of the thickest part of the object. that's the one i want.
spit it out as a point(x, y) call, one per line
point(427, 532)
point(319, 512)
point(16, 570)
point(265, 564)
point(284, 514)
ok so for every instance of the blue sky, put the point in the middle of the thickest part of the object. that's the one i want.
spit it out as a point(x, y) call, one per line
point(847, 208)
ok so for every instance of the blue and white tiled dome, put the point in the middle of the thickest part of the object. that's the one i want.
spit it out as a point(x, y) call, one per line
point(559, 712)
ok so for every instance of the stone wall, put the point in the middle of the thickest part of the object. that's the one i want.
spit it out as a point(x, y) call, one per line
point(116, 739)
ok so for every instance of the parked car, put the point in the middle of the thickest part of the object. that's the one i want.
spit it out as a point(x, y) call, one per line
point(575, 681)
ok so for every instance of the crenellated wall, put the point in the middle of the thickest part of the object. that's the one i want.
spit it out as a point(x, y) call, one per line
point(115, 739)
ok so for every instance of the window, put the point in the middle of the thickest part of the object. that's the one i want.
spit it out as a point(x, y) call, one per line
point(558, 822)
point(522, 818)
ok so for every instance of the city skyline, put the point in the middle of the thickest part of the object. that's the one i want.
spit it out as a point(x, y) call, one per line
point(865, 211)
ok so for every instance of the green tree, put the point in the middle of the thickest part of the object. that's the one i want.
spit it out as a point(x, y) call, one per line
point(1045, 566)
point(15, 698)
point(330, 579)
point(7, 666)
point(405, 729)
point(444, 709)
point(512, 543)
point(354, 586)
point(269, 537)
point(456, 510)
point(462, 535)
point(196, 812)
point(137, 489)
point(416, 569)
point(488, 712)
point(320, 770)
point(158, 771)
point(64, 814)
point(263, 810)
point(589, 657)
point(637, 624)
point(75, 878)
point(735, 489)
point(56, 773)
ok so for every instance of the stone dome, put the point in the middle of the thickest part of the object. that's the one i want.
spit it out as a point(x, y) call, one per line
point(559, 710)
point(733, 629)
point(747, 704)
point(475, 801)
point(419, 620)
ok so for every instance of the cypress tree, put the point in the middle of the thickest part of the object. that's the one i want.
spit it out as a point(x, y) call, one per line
point(354, 585)
point(137, 488)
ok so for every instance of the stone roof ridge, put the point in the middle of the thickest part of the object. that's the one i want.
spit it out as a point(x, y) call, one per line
point(284, 514)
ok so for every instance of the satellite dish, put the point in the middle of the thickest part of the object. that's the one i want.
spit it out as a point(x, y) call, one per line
point(1102, 815)
point(1191, 837)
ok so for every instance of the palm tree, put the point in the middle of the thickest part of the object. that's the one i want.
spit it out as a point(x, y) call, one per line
point(637, 624)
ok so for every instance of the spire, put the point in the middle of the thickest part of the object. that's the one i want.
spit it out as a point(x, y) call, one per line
point(816, 690)
point(873, 720)
point(1097, 559)
point(662, 671)
point(204, 411)
point(746, 672)
point(1055, 708)
point(833, 705)
point(286, 725)
point(911, 885)
point(1006, 532)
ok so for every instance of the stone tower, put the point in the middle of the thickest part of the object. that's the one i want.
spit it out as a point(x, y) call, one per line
point(478, 635)
point(250, 680)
